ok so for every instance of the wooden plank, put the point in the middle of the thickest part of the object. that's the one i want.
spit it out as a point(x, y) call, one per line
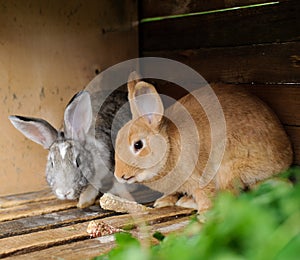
point(155, 8)
point(35, 209)
point(25, 198)
point(294, 134)
point(266, 24)
point(48, 238)
point(50, 220)
point(40, 240)
point(89, 248)
point(86, 249)
point(283, 99)
point(267, 63)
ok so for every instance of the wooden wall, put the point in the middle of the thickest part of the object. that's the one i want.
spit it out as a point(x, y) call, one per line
point(257, 48)
point(48, 51)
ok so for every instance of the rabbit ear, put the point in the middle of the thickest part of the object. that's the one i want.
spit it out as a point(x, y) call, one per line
point(133, 79)
point(37, 130)
point(78, 116)
point(146, 102)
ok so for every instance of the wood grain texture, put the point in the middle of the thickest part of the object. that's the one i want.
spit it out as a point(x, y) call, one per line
point(155, 8)
point(80, 250)
point(89, 248)
point(294, 134)
point(266, 63)
point(67, 234)
point(266, 24)
point(283, 99)
point(36, 223)
point(20, 199)
point(42, 239)
point(35, 209)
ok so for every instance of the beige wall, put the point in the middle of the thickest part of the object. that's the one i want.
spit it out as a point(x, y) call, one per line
point(49, 50)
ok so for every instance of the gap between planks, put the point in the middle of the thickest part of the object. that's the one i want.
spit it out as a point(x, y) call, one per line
point(58, 236)
point(21, 199)
point(51, 220)
point(34, 209)
point(89, 248)
point(156, 8)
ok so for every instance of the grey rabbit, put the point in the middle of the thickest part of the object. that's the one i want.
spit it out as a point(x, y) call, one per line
point(80, 162)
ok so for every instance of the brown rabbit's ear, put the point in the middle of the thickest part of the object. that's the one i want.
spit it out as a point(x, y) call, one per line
point(133, 79)
point(146, 102)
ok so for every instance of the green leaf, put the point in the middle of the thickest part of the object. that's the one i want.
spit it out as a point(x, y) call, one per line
point(159, 236)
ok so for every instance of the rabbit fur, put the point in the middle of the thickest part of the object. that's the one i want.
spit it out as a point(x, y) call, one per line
point(80, 161)
point(151, 146)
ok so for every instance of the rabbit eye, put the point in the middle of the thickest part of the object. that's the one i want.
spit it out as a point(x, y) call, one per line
point(78, 162)
point(138, 145)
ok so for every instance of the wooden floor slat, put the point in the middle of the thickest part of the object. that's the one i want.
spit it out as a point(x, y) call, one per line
point(44, 239)
point(38, 226)
point(78, 250)
point(34, 209)
point(21, 199)
point(89, 248)
point(50, 220)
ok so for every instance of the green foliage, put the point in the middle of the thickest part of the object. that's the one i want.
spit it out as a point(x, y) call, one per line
point(127, 248)
point(261, 224)
point(159, 236)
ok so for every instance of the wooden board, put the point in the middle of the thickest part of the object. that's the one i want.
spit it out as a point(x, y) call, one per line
point(89, 248)
point(266, 63)
point(16, 200)
point(156, 8)
point(34, 209)
point(54, 229)
point(265, 24)
point(294, 134)
point(35, 223)
point(284, 100)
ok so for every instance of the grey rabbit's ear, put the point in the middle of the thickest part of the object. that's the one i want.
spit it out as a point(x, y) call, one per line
point(78, 116)
point(37, 130)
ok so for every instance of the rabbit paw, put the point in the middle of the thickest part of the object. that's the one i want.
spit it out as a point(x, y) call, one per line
point(165, 201)
point(187, 202)
point(204, 203)
point(87, 197)
point(84, 204)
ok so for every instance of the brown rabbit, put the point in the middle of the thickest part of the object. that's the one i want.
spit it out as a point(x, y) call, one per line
point(168, 150)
